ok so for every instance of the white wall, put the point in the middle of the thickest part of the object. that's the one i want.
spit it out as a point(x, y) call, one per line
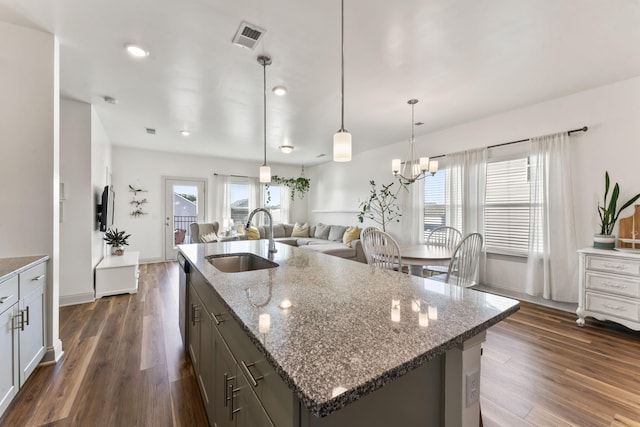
point(612, 143)
point(29, 164)
point(100, 176)
point(146, 169)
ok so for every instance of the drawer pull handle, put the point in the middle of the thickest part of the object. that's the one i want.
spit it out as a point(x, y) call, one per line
point(21, 316)
point(35, 279)
point(614, 285)
point(194, 314)
point(615, 266)
point(215, 318)
point(3, 299)
point(254, 380)
point(614, 307)
point(28, 315)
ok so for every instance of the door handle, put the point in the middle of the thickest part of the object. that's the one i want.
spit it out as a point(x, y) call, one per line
point(2, 299)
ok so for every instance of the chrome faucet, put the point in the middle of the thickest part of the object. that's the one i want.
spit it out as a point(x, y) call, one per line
point(272, 243)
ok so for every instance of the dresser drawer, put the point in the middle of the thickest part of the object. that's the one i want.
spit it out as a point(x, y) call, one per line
point(613, 306)
point(613, 284)
point(32, 279)
point(8, 293)
point(613, 265)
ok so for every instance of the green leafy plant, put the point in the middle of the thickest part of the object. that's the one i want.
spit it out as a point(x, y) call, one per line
point(382, 204)
point(116, 238)
point(299, 186)
point(607, 212)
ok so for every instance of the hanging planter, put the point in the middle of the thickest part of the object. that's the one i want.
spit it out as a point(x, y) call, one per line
point(297, 186)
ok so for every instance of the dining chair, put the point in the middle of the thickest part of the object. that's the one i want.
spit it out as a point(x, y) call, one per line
point(444, 236)
point(381, 250)
point(363, 234)
point(464, 262)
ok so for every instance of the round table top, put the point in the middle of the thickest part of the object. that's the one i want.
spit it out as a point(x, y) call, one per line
point(424, 254)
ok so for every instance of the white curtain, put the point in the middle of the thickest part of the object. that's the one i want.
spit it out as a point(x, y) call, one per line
point(221, 198)
point(465, 190)
point(551, 266)
point(412, 209)
point(285, 204)
point(465, 194)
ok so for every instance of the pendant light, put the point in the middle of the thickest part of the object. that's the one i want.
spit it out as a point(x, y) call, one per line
point(265, 171)
point(342, 138)
point(418, 168)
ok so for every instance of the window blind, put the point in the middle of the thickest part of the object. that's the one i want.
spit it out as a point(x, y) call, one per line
point(434, 202)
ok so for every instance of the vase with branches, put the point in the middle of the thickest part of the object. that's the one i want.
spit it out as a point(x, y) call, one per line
point(382, 204)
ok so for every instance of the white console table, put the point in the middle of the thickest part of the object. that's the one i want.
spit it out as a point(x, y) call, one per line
point(609, 286)
point(117, 275)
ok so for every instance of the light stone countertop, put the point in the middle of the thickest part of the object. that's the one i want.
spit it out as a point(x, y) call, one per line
point(10, 267)
point(341, 339)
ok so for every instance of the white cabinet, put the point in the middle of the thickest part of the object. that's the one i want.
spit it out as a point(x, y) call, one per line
point(117, 275)
point(609, 286)
point(9, 369)
point(22, 329)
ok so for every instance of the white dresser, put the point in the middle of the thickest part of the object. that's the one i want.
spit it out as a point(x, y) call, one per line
point(117, 275)
point(609, 286)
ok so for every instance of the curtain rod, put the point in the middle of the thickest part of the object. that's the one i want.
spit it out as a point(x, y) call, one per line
point(582, 129)
point(234, 176)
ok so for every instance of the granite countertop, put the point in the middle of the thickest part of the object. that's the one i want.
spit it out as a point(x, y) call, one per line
point(351, 328)
point(10, 267)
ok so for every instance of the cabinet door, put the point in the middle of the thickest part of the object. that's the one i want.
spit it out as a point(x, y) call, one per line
point(193, 344)
point(8, 357)
point(249, 410)
point(224, 383)
point(32, 337)
point(206, 361)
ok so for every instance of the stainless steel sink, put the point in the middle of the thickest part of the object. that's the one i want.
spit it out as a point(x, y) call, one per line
point(236, 263)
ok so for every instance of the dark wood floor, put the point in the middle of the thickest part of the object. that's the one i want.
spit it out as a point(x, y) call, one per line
point(124, 365)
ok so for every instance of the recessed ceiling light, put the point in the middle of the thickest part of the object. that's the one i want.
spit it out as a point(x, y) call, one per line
point(185, 132)
point(280, 90)
point(137, 51)
point(286, 149)
point(110, 100)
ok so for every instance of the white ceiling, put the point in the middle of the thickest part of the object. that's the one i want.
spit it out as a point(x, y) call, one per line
point(463, 59)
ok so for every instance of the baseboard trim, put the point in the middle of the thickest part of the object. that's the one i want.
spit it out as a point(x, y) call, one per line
point(82, 298)
point(53, 353)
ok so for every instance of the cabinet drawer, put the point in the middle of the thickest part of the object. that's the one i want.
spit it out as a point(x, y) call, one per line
point(32, 279)
point(613, 306)
point(8, 293)
point(613, 265)
point(613, 284)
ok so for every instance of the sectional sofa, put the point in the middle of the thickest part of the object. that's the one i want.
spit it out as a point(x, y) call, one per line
point(323, 238)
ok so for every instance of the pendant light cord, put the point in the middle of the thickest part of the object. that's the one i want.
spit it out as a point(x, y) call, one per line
point(342, 67)
point(264, 122)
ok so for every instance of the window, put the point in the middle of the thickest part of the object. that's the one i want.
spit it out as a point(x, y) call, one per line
point(272, 197)
point(507, 207)
point(239, 198)
point(434, 201)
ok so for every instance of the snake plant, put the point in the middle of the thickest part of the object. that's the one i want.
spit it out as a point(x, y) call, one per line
point(607, 212)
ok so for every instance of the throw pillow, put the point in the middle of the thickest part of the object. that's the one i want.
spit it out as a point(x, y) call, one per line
point(209, 237)
point(278, 231)
point(322, 231)
point(288, 229)
point(350, 235)
point(300, 230)
point(252, 233)
point(336, 232)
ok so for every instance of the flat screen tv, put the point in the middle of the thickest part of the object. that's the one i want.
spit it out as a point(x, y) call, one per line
point(105, 210)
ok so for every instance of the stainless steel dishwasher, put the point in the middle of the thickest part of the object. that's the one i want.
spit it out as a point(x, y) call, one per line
point(184, 268)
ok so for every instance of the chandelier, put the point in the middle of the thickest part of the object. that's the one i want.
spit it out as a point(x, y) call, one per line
point(413, 169)
point(342, 138)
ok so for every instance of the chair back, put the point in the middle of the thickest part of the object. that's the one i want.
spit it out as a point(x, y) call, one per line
point(363, 233)
point(465, 260)
point(445, 236)
point(381, 250)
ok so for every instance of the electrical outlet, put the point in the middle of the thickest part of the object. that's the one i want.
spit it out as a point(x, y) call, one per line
point(473, 387)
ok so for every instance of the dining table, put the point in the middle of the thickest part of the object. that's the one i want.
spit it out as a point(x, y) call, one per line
point(416, 256)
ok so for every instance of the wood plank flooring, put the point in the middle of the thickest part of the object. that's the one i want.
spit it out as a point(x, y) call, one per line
point(124, 365)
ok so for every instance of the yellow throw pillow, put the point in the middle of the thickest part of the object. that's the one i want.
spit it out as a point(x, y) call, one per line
point(300, 230)
point(351, 234)
point(252, 233)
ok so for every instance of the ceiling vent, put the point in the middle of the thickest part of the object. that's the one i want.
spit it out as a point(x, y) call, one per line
point(150, 131)
point(248, 35)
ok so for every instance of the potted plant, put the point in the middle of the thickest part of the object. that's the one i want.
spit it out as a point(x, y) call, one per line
point(609, 215)
point(117, 240)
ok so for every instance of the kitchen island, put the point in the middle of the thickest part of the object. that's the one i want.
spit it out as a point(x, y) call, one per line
point(324, 341)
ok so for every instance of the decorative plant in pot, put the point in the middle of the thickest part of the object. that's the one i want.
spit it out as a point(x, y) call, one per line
point(609, 215)
point(117, 240)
